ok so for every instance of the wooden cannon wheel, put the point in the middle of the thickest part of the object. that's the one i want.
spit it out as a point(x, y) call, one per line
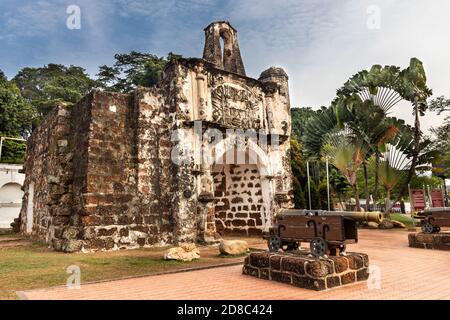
point(318, 247)
point(427, 228)
point(274, 243)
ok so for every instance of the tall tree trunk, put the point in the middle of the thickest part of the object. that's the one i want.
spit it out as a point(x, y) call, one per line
point(340, 200)
point(356, 194)
point(377, 180)
point(415, 153)
point(388, 204)
point(366, 186)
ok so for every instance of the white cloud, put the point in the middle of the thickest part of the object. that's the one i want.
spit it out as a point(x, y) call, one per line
point(322, 43)
point(162, 9)
point(32, 19)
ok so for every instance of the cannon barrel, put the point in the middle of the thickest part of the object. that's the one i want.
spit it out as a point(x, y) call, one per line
point(374, 216)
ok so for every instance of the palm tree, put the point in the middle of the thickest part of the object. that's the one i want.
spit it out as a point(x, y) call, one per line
point(370, 123)
point(396, 160)
point(378, 86)
point(413, 86)
point(387, 86)
point(363, 104)
point(390, 169)
point(346, 152)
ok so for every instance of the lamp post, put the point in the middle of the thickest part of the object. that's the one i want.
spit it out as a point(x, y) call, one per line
point(309, 186)
point(328, 186)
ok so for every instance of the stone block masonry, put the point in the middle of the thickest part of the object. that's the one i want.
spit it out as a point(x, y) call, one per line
point(240, 208)
point(440, 241)
point(310, 273)
point(91, 177)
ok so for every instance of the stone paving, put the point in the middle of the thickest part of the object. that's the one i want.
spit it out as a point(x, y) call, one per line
point(406, 273)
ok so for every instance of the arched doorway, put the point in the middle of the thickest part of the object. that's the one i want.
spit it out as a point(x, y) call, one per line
point(10, 202)
point(242, 192)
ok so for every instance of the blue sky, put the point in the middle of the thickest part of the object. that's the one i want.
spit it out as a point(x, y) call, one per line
point(320, 43)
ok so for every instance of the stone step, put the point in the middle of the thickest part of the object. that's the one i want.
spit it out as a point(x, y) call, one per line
point(9, 238)
point(13, 241)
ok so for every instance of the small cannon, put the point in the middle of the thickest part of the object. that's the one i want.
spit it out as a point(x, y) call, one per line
point(328, 232)
point(434, 218)
point(374, 216)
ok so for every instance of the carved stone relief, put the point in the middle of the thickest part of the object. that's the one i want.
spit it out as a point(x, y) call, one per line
point(236, 107)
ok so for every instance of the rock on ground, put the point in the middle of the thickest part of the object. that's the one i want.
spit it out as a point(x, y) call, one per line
point(398, 224)
point(233, 247)
point(386, 224)
point(185, 252)
point(372, 225)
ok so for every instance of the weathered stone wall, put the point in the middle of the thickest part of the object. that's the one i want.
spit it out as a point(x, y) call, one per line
point(48, 168)
point(127, 198)
point(104, 182)
point(240, 205)
point(121, 170)
point(107, 212)
point(154, 166)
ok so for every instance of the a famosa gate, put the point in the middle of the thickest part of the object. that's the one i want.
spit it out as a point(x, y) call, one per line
point(204, 153)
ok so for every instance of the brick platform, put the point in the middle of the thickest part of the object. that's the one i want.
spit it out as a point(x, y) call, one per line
point(440, 241)
point(305, 272)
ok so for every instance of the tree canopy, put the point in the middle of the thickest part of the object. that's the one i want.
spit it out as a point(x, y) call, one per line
point(133, 69)
point(16, 119)
point(47, 86)
point(441, 142)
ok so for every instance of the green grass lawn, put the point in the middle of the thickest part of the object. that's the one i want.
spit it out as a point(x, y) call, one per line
point(35, 266)
point(409, 222)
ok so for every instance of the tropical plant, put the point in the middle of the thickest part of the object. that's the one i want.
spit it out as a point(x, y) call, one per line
point(346, 152)
point(363, 105)
point(322, 190)
point(339, 185)
point(297, 165)
point(396, 160)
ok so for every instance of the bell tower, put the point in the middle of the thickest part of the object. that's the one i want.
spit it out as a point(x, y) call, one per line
point(222, 48)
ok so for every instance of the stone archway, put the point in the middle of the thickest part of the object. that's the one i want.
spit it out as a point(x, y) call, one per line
point(242, 193)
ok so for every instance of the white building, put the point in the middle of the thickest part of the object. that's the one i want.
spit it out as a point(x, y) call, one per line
point(10, 193)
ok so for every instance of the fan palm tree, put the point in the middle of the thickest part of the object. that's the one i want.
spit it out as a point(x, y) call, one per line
point(391, 167)
point(396, 160)
point(346, 152)
point(363, 105)
point(386, 86)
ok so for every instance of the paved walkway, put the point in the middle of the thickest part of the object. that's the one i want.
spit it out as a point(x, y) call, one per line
point(406, 273)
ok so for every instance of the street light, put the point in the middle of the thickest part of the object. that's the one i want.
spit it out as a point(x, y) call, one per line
point(328, 186)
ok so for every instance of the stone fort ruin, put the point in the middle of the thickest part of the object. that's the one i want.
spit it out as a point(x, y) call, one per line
point(120, 171)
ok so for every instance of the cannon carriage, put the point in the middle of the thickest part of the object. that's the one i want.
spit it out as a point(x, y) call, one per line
point(434, 218)
point(328, 232)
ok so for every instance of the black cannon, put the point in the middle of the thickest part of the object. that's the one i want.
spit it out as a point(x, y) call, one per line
point(433, 219)
point(327, 232)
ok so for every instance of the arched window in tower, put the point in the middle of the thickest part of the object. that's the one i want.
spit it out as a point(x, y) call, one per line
point(226, 46)
point(221, 47)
